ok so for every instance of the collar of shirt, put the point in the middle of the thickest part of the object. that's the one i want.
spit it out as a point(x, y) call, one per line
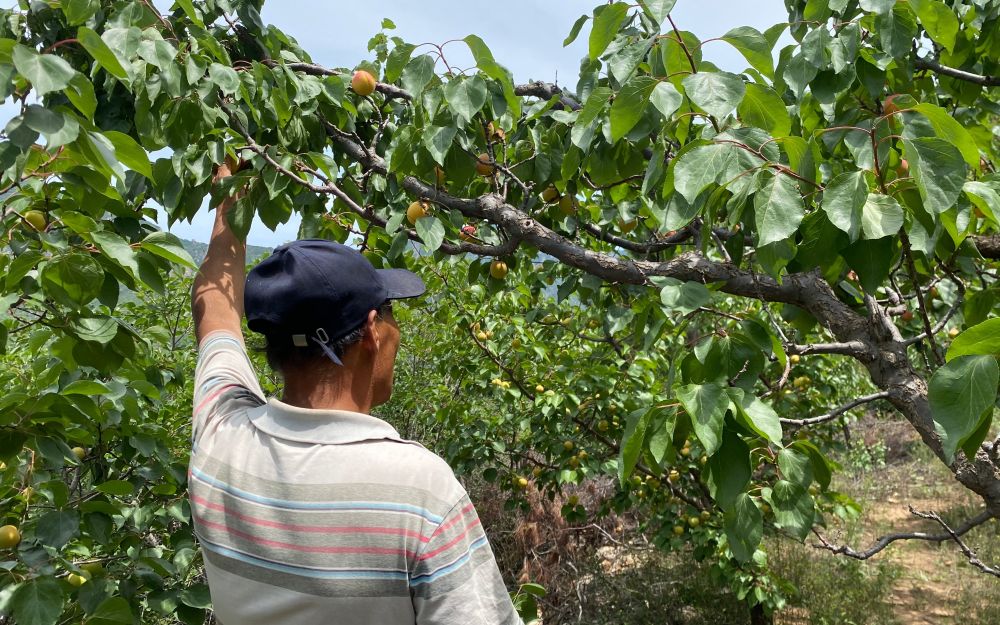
point(324, 427)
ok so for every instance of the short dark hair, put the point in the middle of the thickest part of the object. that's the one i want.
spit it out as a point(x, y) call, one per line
point(282, 355)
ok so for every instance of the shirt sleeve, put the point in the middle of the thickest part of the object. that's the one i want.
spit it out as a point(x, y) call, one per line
point(224, 381)
point(455, 579)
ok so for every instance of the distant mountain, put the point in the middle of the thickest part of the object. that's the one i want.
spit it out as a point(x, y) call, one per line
point(197, 250)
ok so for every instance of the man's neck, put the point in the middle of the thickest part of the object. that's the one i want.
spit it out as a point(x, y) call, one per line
point(340, 392)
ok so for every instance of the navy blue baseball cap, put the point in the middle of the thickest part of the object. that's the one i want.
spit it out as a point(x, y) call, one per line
point(318, 291)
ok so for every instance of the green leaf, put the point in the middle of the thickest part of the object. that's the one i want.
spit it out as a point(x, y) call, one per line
point(431, 232)
point(397, 60)
point(46, 72)
point(225, 78)
point(701, 166)
point(683, 297)
point(466, 96)
point(744, 525)
point(81, 94)
point(632, 442)
point(86, 387)
point(666, 98)
point(798, 73)
point(607, 20)
point(574, 32)
point(111, 610)
point(117, 249)
point(871, 260)
point(58, 527)
point(959, 393)
point(417, 73)
point(488, 65)
point(706, 405)
point(939, 20)
point(583, 127)
point(118, 488)
point(196, 596)
point(948, 128)
point(763, 108)
point(625, 61)
point(79, 11)
point(779, 209)
point(794, 510)
point(986, 198)
point(104, 56)
point(939, 170)
point(130, 153)
point(38, 602)
point(161, 54)
point(166, 245)
point(58, 128)
point(100, 329)
point(877, 6)
point(627, 109)
point(717, 93)
point(881, 216)
point(795, 466)
point(981, 339)
point(843, 201)
point(761, 417)
point(729, 470)
point(74, 279)
point(438, 140)
point(658, 10)
point(754, 47)
point(188, 7)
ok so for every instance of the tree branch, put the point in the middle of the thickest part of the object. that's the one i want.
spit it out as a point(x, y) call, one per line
point(836, 412)
point(955, 535)
point(988, 245)
point(959, 74)
point(888, 539)
point(850, 348)
point(546, 91)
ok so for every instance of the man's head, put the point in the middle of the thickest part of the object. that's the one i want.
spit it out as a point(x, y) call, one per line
point(323, 305)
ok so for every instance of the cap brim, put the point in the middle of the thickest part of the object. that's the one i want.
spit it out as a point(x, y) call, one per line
point(401, 284)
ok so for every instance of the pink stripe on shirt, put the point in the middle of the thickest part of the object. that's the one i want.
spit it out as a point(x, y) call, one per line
point(304, 548)
point(213, 396)
point(317, 529)
point(451, 543)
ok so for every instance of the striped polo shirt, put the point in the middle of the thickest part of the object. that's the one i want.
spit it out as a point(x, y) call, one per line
point(310, 517)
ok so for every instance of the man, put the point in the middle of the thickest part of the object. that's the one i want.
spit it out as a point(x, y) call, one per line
point(308, 509)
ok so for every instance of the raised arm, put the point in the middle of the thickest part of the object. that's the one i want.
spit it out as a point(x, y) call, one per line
point(217, 295)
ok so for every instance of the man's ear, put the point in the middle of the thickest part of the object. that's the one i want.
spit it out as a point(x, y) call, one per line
point(371, 339)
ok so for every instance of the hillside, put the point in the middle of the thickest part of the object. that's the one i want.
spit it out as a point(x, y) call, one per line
point(197, 250)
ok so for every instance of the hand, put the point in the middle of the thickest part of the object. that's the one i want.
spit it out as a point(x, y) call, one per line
point(229, 167)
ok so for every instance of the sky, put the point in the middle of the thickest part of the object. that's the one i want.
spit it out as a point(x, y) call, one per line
point(525, 36)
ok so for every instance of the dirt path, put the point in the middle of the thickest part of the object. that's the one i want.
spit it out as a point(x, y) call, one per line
point(923, 595)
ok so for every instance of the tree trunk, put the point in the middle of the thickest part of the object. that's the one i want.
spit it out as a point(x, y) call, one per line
point(759, 617)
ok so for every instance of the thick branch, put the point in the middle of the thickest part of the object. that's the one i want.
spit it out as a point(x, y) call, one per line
point(988, 246)
point(640, 248)
point(836, 412)
point(959, 74)
point(850, 348)
point(546, 91)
